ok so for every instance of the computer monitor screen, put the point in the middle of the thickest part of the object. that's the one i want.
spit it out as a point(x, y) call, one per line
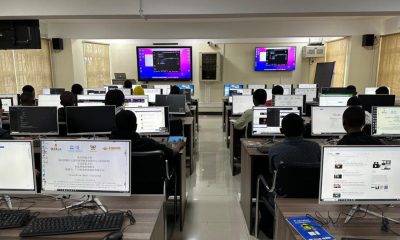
point(45, 91)
point(367, 101)
point(287, 88)
point(247, 91)
point(26, 120)
point(307, 85)
point(152, 92)
point(6, 103)
point(327, 121)
point(385, 121)
point(176, 103)
point(371, 90)
point(256, 86)
point(17, 168)
point(13, 96)
point(86, 167)
point(360, 175)
point(267, 121)
point(164, 88)
point(49, 100)
point(228, 87)
point(275, 59)
point(335, 90)
point(57, 91)
point(126, 91)
point(92, 98)
point(136, 101)
point(90, 120)
point(333, 100)
point(311, 93)
point(94, 91)
point(290, 101)
point(241, 103)
point(151, 120)
point(88, 104)
point(112, 87)
point(187, 86)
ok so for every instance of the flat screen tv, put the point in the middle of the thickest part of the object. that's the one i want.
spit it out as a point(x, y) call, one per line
point(164, 63)
point(275, 59)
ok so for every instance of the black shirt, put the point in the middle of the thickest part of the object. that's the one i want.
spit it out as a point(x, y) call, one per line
point(4, 134)
point(359, 138)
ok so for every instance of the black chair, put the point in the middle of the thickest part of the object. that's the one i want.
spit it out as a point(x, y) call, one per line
point(291, 180)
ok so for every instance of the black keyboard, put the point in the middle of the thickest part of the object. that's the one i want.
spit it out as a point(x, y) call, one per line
point(73, 224)
point(13, 218)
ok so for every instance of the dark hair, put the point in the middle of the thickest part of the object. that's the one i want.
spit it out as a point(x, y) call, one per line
point(28, 89)
point(127, 84)
point(27, 99)
point(382, 90)
point(354, 101)
point(352, 89)
point(77, 89)
point(292, 125)
point(259, 96)
point(125, 120)
point(67, 99)
point(354, 117)
point(115, 97)
point(277, 90)
point(175, 90)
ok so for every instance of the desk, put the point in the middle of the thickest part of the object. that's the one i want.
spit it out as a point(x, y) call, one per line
point(368, 227)
point(148, 212)
point(188, 130)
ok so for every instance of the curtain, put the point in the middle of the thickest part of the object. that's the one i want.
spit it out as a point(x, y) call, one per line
point(97, 61)
point(7, 72)
point(389, 63)
point(336, 51)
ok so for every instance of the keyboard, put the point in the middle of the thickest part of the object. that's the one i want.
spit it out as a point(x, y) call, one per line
point(73, 224)
point(263, 149)
point(13, 218)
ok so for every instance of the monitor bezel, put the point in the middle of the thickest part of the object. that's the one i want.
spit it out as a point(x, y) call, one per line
point(166, 118)
point(358, 201)
point(373, 110)
point(34, 191)
point(315, 96)
point(84, 192)
point(329, 134)
point(303, 108)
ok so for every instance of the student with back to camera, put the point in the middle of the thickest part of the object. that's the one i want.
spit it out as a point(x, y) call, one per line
point(355, 101)
point(27, 99)
point(29, 89)
point(175, 90)
point(276, 90)
point(382, 90)
point(67, 99)
point(115, 98)
point(259, 98)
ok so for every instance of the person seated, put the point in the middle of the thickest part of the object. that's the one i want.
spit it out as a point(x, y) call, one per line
point(67, 99)
point(175, 90)
point(77, 89)
point(29, 89)
point(4, 134)
point(138, 91)
point(259, 98)
point(353, 123)
point(127, 84)
point(382, 90)
point(355, 101)
point(276, 90)
point(115, 98)
point(27, 99)
point(293, 148)
point(352, 89)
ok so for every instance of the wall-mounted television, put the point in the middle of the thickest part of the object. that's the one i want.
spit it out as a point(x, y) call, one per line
point(164, 63)
point(275, 59)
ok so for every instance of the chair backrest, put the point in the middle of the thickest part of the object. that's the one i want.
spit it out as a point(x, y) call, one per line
point(148, 172)
point(298, 180)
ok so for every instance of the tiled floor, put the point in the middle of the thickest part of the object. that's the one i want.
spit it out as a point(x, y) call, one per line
point(213, 210)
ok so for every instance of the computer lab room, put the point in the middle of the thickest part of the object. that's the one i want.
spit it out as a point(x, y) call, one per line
point(199, 120)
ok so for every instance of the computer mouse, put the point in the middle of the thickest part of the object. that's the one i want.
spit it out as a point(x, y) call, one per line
point(114, 236)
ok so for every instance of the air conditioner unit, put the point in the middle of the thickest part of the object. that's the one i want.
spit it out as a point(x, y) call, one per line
point(313, 51)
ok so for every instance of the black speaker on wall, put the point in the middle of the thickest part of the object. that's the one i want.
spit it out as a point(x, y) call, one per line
point(368, 40)
point(57, 43)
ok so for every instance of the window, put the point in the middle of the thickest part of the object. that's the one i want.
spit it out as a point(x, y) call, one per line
point(97, 61)
point(389, 63)
point(336, 51)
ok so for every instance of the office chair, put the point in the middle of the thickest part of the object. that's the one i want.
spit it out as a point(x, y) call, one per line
point(291, 180)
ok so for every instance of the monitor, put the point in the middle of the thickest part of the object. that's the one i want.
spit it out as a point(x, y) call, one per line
point(228, 87)
point(120, 76)
point(367, 101)
point(88, 104)
point(164, 63)
point(164, 88)
point(371, 90)
point(112, 87)
point(324, 74)
point(230, 98)
point(335, 90)
point(136, 101)
point(92, 98)
point(151, 120)
point(385, 121)
point(360, 175)
point(90, 120)
point(57, 91)
point(13, 96)
point(17, 167)
point(256, 86)
point(187, 86)
point(176, 103)
point(290, 101)
point(275, 59)
point(311, 93)
point(327, 121)
point(27, 120)
point(126, 91)
point(267, 121)
point(187, 93)
point(333, 100)
point(241, 103)
point(287, 88)
point(6, 103)
point(307, 85)
point(92, 167)
point(152, 92)
point(94, 91)
point(49, 101)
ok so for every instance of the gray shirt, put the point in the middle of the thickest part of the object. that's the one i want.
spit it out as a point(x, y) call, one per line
point(294, 150)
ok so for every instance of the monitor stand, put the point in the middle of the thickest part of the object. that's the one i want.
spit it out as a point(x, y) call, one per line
point(358, 208)
point(90, 199)
point(7, 199)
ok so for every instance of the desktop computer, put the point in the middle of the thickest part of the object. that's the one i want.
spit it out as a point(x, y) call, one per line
point(371, 90)
point(333, 100)
point(14, 98)
point(229, 87)
point(151, 120)
point(311, 93)
point(290, 101)
point(90, 120)
point(26, 120)
point(327, 121)
point(152, 92)
point(175, 103)
point(126, 91)
point(256, 86)
point(6, 103)
point(307, 85)
point(188, 87)
point(90, 104)
point(267, 121)
point(92, 91)
point(241, 103)
point(91, 98)
point(165, 89)
point(385, 121)
point(49, 100)
point(367, 101)
point(136, 101)
point(287, 88)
